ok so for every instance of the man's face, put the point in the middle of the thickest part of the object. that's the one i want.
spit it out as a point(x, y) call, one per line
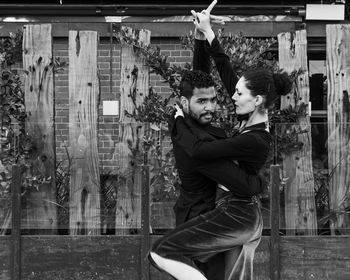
point(202, 105)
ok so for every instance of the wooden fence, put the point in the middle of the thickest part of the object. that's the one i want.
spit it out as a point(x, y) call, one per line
point(124, 257)
point(83, 138)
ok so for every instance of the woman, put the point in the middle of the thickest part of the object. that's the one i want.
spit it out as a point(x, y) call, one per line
point(235, 225)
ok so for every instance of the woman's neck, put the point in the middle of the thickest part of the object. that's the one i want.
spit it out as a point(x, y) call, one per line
point(257, 117)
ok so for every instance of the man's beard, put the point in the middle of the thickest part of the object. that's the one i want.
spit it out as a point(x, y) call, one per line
point(198, 118)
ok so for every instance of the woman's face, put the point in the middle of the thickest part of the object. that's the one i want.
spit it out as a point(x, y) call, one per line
point(244, 101)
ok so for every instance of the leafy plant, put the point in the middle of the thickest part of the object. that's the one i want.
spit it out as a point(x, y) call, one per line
point(11, 49)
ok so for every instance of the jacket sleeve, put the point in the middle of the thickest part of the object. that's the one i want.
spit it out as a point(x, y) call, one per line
point(229, 174)
point(198, 147)
point(223, 65)
point(201, 58)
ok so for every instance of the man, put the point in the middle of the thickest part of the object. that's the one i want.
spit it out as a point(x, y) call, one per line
point(198, 191)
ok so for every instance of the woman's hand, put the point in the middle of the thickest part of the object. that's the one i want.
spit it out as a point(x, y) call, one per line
point(178, 111)
point(198, 34)
point(202, 21)
point(218, 20)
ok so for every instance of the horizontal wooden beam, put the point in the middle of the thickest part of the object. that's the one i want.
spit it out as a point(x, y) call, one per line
point(118, 257)
point(60, 29)
point(315, 257)
point(90, 257)
point(127, 8)
point(176, 29)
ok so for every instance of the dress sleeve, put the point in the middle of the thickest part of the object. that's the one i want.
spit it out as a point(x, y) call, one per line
point(229, 174)
point(201, 58)
point(223, 65)
point(235, 148)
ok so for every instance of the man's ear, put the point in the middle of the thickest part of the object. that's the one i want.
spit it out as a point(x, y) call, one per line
point(185, 104)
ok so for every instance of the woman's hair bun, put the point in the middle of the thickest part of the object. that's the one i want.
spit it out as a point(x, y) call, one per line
point(283, 83)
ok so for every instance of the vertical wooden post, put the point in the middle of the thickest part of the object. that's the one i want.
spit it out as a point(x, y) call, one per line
point(300, 207)
point(134, 86)
point(16, 223)
point(39, 103)
point(145, 222)
point(275, 183)
point(83, 117)
point(134, 80)
point(338, 112)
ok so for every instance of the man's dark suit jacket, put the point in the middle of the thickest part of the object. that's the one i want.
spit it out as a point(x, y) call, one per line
point(197, 193)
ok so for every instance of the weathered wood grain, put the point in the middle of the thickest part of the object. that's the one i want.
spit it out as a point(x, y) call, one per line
point(61, 27)
point(134, 73)
point(145, 222)
point(127, 151)
point(275, 182)
point(117, 257)
point(5, 257)
point(338, 113)
point(134, 86)
point(41, 211)
point(16, 249)
point(318, 258)
point(83, 117)
point(300, 208)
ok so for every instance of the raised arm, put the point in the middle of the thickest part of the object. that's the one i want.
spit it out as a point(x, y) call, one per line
point(201, 58)
point(215, 50)
point(223, 65)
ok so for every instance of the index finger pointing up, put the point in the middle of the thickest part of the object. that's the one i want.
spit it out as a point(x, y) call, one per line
point(211, 6)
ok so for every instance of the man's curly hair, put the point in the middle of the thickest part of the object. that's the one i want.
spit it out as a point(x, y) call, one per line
point(194, 79)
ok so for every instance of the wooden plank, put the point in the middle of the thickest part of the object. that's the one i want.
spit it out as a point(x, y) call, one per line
point(39, 104)
point(5, 257)
point(94, 257)
point(60, 29)
point(162, 29)
point(134, 79)
point(321, 258)
point(275, 183)
point(134, 86)
point(250, 29)
point(168, 29)
point(145, 222)
point(128, 207)
point(81, 258)
point(300, 208)
point(338, 113)
point(117, 257)
point(16, 185)
point(58, 19)
point(83, 117)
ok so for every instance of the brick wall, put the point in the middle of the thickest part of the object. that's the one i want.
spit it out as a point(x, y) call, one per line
point(110, 90)
point(176, 55)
